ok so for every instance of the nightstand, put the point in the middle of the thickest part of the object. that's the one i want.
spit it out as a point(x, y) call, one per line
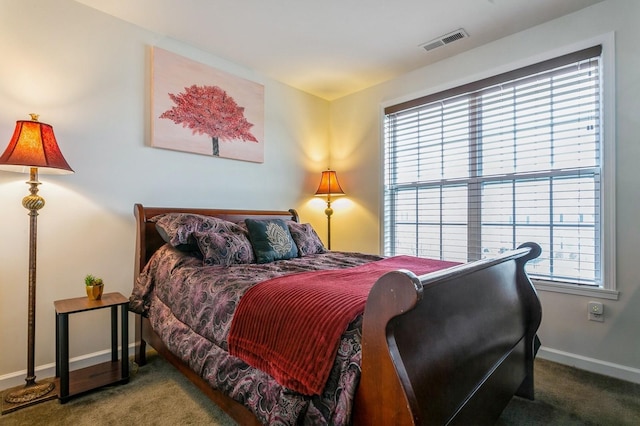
point(73, 383)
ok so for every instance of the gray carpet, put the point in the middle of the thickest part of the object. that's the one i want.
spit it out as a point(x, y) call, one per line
point(159, 395)
point(568, 396)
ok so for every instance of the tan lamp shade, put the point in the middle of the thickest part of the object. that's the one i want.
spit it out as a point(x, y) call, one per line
point(329, 184)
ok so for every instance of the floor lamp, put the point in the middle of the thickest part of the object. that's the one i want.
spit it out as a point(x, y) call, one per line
point(329, 187)
point(32, 148)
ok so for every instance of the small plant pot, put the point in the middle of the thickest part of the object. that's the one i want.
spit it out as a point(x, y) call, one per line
point(94, 292)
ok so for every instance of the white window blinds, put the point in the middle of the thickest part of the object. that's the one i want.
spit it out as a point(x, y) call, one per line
point(480, 169)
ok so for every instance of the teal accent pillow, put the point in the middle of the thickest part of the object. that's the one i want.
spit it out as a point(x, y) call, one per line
point(271, 240)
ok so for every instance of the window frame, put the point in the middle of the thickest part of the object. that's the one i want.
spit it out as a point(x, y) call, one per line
point(608, 289)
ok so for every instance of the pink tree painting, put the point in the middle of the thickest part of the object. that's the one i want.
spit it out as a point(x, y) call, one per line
point(209, 110)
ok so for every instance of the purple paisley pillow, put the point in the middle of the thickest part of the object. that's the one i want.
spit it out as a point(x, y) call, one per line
point(178, 229)
point(224, 248)
point(306, 238)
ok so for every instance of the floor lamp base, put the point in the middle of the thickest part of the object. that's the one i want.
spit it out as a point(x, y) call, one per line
point(23, 396)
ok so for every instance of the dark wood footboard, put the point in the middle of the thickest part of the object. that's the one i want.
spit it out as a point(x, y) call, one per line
point(451, 347)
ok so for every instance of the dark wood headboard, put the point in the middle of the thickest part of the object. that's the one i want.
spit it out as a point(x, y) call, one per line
point(148, 240)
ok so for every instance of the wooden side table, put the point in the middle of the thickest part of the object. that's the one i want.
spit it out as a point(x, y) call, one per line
point(73, 383)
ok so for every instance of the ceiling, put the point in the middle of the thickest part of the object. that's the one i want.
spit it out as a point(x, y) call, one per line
point(332, 48)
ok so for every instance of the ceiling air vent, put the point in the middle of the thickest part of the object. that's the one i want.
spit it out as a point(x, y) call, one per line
point(445, 39)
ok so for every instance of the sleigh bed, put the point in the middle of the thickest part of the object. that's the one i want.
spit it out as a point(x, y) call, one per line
point(450, 346)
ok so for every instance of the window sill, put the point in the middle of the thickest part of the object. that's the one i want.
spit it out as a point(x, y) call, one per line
point(576, 289)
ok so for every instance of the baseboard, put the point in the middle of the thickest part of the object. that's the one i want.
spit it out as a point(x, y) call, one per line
point(605, 368)
point(49, 370)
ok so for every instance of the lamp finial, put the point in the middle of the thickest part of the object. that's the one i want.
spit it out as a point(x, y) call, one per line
point(34, 117)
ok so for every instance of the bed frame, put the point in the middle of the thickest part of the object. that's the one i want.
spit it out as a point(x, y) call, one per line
point(451, 347)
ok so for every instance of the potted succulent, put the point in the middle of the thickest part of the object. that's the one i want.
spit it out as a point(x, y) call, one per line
point(94, 287)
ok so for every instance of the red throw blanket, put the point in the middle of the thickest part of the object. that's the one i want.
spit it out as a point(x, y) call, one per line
point(290, 326)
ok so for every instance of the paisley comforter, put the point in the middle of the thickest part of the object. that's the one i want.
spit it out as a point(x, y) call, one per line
point(191, 308)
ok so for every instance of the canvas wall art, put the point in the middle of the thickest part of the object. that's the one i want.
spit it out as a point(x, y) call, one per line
point(200, 109)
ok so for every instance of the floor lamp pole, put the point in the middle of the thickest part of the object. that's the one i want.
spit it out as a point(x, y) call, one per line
point(32, 392)
point(328, 211)
point(33, 203)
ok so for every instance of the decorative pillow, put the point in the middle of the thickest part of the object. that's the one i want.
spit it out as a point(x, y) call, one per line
point(271, 240)
point(224, 248)
point(243, 226)
point(177, 228)
point(306, 238)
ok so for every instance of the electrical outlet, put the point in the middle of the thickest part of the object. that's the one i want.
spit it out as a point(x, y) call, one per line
point(595, 311)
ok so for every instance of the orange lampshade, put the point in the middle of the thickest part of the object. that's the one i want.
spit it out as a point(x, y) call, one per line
point(34, 145)
point(329, 184)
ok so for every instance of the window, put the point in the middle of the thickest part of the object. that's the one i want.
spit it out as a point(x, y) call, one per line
point(482, 168)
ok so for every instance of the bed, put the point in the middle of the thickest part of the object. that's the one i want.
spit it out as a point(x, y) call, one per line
point(452, 345)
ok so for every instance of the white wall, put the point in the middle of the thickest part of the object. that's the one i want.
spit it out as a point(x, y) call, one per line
point(612, 347)
point(88, 75)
